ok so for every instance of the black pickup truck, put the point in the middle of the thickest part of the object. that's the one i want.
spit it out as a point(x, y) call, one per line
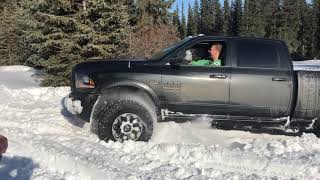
point(255, 85)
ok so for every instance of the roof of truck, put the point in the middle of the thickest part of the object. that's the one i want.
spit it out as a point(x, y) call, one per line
point(232, 37)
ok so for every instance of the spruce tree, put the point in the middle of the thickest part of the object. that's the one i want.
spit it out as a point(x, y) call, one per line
point(151, 12)
point(306, 31)
point(289, 33)
point(183, 26)
point(316, 51)
point(218, 22)
point(226, 18)
point(175, 17)
point(274, 19)
point(253, 21)
point(207, 18)
point(191, 26)
point(68, 32)
point(11, 31)
point(236, 17)
point(132, 11)
point(197, 16)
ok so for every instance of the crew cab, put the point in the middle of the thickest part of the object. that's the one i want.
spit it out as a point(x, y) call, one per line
point(255, 85)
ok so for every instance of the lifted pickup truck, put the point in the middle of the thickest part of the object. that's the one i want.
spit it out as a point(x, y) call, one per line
point(255, 85)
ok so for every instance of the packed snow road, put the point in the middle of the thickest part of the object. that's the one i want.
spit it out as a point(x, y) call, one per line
point(46, 142)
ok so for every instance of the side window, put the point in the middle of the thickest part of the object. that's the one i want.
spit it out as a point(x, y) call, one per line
point(208, 53)
point(257, 54)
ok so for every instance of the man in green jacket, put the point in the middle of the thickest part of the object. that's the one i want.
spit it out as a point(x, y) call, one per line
point(214, 51)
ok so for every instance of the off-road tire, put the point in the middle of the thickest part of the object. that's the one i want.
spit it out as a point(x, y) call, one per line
point(114, 106)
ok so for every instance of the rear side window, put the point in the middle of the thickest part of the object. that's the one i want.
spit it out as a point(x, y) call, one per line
point(257, 54)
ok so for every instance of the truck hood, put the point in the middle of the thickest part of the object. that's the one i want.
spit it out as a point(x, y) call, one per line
point(111, 65)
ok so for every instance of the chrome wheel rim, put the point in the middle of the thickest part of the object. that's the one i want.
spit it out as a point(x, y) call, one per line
point(127, 127)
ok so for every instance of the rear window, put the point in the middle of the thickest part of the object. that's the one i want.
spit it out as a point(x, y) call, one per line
point(257, 54)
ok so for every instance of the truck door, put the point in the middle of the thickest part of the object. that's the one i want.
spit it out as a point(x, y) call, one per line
point(259, 85)
point(196, 89)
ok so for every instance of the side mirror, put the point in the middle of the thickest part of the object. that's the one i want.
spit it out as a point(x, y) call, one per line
point(297, 57)
point(182, 57)
point(176, 60)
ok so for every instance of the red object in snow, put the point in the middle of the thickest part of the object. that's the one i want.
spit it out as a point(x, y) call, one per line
point(3, 145)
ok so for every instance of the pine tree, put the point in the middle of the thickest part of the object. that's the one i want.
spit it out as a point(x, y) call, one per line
point(132, 11)
point(218, 22)
point(226, 18)
point(11, 42)
point(316, 51)
point(289, 33)
point(207, 18)
point(175, 17)
point(191, 26)
point(68, 32)
point(274, 19)
point(253, 22)
point(153, 12)
point(183, 26)
point(306, 31)
point(197, 16)
point(236, 17)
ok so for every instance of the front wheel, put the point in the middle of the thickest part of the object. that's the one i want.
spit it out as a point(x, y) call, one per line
point(126, 117)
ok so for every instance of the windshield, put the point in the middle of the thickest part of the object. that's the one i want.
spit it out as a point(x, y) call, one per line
point(167, 50)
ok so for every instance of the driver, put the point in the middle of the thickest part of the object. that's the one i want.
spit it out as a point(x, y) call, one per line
point(214, 51)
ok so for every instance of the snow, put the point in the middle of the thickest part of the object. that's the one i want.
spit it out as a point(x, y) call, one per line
point(48, 142)
point(308, 65)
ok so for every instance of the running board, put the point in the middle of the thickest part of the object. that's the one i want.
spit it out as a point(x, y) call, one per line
point(230, 122)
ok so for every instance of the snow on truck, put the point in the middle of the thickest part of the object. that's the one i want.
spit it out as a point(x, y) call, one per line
point(254, 85)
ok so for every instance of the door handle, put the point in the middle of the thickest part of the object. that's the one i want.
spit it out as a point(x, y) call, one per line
point(279, 79)
point(217, 76)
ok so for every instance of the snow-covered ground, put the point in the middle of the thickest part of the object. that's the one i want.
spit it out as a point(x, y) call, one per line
point(310, 65)
point(46, 142)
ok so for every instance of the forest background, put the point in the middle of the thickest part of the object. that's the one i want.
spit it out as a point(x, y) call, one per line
point(54, 35)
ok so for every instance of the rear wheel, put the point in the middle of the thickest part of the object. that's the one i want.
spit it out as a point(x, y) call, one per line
point(126, 117)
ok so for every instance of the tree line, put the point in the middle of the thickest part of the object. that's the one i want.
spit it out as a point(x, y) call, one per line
point(54, 35)
point(294, 21)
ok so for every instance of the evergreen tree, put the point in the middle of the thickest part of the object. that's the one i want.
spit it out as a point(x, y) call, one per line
point(197, 16)
point(253, 22)
point(132, 11)
point(236, 17)
point(11, 42)
point(289, 33)
point(306, 30)
point(68, 32)
point(274, 19)
point(218, 22)
point(183, 26)
point(153, 12)
point(191, 26)
point(226, 18)
point(316, 51)
point(207, 18)
point(175, 17)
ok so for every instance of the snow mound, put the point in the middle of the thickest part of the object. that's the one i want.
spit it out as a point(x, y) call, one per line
point(15, 68)
point(309, 65)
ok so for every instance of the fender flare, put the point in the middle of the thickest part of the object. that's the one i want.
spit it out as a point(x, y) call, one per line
point(134, 84)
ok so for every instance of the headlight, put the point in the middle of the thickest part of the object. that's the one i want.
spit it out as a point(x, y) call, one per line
point(84, 82)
